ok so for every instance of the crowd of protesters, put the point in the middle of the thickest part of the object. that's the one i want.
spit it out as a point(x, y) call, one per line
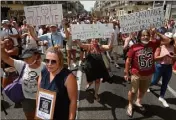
point(149, 52)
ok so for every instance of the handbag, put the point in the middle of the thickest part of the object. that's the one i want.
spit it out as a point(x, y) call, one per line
point(11, 74)
point(14, 90)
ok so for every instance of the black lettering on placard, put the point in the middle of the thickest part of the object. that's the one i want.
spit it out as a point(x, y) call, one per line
point(53, 8)
point(35, 8)
point(47, 19)
point(30, 11)
point(38, 20)
point(45, 105)
point(29, 20)
point(56, 18)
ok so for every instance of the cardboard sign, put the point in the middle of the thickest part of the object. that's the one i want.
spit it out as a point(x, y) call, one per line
point(45, 104)
point(89, 31)
point(43, 14)
point(142, 20)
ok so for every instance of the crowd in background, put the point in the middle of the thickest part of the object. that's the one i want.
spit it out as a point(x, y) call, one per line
point(146, 53)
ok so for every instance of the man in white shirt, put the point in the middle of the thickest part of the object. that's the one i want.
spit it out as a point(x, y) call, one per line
point(10, 31)
point(114, 52)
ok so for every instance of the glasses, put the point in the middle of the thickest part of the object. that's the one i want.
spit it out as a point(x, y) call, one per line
point(52, 62)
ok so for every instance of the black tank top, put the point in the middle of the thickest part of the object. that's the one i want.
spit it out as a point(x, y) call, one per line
point(61, 111)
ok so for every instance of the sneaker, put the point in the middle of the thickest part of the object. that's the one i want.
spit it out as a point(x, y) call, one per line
point(74, 65)
point(148, 90)
point(69, 68)
point(165, 104)
point(80, 63)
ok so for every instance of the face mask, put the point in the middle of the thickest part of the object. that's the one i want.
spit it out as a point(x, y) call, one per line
point(145, 42)
point(32, 62)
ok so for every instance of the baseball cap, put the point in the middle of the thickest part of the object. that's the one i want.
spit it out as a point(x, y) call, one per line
point(169, 34)
point(29, 52)
point(53, 25)
point(5, 22)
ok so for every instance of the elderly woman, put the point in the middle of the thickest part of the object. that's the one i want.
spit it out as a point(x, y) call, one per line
point(56, 78)
point(32, 67)
point(95, 68)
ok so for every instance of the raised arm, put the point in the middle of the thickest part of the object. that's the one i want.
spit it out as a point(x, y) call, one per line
point(14, 51)
point(109, 46)
point(86, 47)
point(164, 39)
point(5, 57)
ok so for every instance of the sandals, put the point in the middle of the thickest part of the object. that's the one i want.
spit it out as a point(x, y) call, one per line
point(141, 107)
point(97, 98)
point(129, 111)
point(87, 86)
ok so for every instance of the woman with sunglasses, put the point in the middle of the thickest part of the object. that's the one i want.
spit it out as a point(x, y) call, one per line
point(56, 78)
point(95, 68)
point(33, 66)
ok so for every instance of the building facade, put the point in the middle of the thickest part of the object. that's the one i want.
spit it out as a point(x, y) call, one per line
point(15, 9)
point(120, 8)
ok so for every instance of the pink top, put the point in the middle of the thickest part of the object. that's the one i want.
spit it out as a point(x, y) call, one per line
point(166, 51)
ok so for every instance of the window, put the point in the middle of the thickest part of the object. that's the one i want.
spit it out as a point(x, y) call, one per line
point(9, 2)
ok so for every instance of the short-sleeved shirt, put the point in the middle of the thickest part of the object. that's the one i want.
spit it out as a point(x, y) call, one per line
point(13, 31)
point(53, 39)
point(29, 78)
point(143, 58)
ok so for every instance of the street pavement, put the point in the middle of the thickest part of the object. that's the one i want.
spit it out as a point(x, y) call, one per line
point(113, 101)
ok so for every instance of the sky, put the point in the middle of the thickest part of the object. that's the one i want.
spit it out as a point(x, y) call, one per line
point(88, 5)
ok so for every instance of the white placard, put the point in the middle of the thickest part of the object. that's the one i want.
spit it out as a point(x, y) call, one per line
point(142, 20)
point(45, 104)
point(44, 14)
point(89, 31)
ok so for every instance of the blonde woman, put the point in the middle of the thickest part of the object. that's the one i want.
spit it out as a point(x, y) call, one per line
point(31, 38)
point(54, 77)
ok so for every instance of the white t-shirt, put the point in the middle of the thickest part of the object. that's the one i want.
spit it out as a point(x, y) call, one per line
point(29, 78)
point(30, 43)
point(40, 32)
point(14, 32)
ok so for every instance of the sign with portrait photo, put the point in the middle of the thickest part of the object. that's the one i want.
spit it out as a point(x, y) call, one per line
point(43, 14)
point(45, 104)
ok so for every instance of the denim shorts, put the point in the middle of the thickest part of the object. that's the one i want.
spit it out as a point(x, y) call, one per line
point(29, 105)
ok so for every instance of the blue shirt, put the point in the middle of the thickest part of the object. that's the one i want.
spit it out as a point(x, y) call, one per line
point(53, 38)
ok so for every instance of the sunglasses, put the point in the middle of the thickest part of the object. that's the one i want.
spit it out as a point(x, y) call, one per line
point(52, 62)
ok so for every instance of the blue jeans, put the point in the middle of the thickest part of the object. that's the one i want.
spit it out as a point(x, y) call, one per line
point(164, 71)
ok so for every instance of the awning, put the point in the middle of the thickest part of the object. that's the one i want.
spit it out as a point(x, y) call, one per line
point(13, 6)
point(4, 6)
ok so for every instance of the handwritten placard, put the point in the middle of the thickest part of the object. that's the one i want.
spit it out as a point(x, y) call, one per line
point(142, 20)
point(44, 14)
point(89, 31)
point(45, 104)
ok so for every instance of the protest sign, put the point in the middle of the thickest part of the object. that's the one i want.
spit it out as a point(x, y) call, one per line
point(45, 104)
point(142, 20)
point(43, 14)
point(89, 31)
